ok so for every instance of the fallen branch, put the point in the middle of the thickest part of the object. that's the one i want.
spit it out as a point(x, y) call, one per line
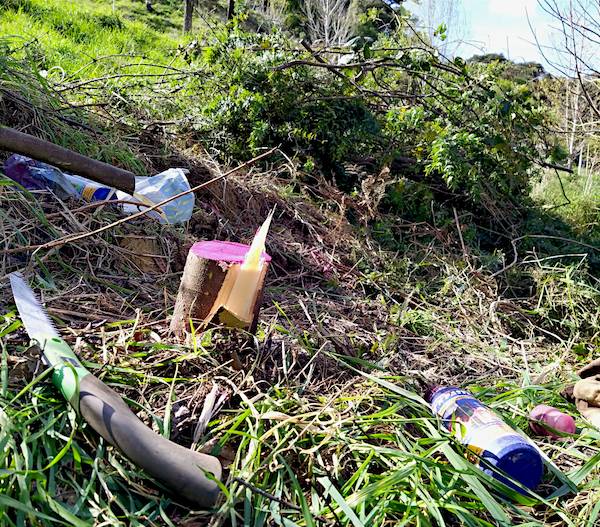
point(557, 167)
point(67, 160)
point(543, 236)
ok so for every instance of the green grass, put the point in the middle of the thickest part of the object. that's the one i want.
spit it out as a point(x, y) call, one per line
point(71, 35)
point(166, 17)
point(94, 57)
point(59, 56)
point(33, 106)
point(576, 201)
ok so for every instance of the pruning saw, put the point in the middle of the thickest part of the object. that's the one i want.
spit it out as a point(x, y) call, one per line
point(191, 475)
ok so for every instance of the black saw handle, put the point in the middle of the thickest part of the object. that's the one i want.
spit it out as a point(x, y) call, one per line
point(188, 474)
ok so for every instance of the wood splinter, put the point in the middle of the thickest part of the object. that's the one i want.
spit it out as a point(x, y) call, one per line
point(222, 283)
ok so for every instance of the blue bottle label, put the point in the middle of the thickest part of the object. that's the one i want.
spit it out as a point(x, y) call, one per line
point(471, 422)
point(93, 193)
point(487, 437)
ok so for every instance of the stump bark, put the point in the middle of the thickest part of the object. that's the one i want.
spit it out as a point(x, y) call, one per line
point(210, 272)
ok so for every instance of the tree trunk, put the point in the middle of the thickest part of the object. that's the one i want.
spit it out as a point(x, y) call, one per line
point(230, 9)
point(188, 15)
point(589, 169)
point(210, 272)
point(574, 126)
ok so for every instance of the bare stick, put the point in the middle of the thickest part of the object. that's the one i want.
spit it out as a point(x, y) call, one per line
point(460, 236)
point(516, 254)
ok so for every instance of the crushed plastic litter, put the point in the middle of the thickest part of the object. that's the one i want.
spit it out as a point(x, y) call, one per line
point(35, 175)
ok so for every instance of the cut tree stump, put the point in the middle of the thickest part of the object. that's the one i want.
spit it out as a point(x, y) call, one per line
point(211, 270)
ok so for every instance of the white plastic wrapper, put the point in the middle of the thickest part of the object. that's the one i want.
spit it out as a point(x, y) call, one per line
point(152, 190)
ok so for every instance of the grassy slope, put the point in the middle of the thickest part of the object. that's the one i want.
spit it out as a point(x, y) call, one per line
point(308, 407)
point(73, 43)
point(576, 201)
point(72, 34)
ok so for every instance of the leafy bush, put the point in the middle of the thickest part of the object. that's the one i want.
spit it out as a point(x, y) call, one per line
point(478, 133)
point(482, 136)
point(250, 100)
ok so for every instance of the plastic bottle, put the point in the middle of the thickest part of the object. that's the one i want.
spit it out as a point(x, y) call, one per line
point(35, 175)
point(554, 418)
point(494, 443)
point(90, 191)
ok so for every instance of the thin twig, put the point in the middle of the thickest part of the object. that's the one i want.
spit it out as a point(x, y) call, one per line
point(95, 204)
point(562, 189)
point(460, 236)
point(516, 254)
point(557, 167)
point(272, 497)
point(266, 494)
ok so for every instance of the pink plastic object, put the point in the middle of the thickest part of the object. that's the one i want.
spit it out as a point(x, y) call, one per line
point(230, 252)
point(553, 418)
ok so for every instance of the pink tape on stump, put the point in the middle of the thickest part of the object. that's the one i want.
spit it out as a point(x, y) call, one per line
point(230, 252)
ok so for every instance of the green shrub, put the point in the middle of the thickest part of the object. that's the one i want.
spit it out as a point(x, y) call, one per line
point(248, 101)
point(481, 137)
point(468, 128)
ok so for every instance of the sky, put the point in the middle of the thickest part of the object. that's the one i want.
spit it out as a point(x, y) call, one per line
point(498, 26)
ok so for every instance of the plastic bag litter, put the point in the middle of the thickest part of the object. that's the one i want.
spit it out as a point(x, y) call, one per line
point(35, 175)
point(155, 189)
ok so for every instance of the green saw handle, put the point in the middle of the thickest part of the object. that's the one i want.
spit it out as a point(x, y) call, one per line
point(186, 473)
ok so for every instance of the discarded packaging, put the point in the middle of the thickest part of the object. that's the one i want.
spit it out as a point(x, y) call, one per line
point(89, 190)
point(495, 445)
point(549, 421)
point(35, 175)
point(155, 189)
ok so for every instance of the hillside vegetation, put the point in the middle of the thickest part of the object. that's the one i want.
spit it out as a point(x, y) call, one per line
point(425, 233)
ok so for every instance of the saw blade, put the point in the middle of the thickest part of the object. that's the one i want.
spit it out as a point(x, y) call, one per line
point(33, 315)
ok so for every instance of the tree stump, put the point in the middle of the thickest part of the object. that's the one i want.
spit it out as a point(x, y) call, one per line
point(210, 272)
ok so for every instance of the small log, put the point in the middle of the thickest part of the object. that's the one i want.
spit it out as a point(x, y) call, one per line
point(67, 160)
point(211, 270)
